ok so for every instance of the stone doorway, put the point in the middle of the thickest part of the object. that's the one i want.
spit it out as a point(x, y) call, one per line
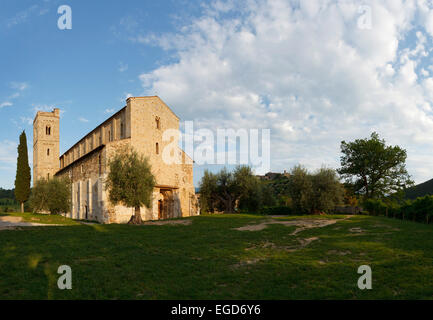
point(166, 204)
point(160, 209)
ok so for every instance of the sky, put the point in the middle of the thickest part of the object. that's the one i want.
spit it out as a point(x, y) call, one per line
point(314, 72)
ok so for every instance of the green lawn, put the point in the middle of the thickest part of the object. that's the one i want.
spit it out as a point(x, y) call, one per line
point(210, 260)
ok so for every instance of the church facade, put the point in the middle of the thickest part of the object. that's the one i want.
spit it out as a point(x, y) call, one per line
point(141, 125)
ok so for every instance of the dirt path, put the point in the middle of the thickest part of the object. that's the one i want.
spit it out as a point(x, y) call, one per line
point(303, 224)
point(164, 222)
point(13, 223)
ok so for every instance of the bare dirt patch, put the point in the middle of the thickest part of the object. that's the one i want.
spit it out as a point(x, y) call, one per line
point(16, 223)
point(164, 222)
point(11, 219)
point(302, 243)
point(340, 253)
point(303, 224)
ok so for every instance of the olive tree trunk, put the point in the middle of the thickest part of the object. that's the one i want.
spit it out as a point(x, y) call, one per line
point(136, 218)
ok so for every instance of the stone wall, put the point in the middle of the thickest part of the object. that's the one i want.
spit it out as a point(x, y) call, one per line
point(148, 113)
point(141, 124)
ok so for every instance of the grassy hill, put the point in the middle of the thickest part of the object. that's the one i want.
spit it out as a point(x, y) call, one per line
point(420, 190)
point(210, 259)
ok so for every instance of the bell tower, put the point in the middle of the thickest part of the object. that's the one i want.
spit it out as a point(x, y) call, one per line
point(46, 140)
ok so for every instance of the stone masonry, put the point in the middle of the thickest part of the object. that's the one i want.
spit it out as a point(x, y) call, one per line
point(140, 124)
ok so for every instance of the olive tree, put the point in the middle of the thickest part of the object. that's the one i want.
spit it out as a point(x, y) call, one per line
point(225, 190)
point(300, 189)
point(52, 195)
point(130, 181)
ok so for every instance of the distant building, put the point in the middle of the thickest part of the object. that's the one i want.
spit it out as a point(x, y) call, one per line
point(273, 175)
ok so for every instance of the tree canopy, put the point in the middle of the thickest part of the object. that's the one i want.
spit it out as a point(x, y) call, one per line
point(52, 195)
point(130, 181)
point(224, 190)
point(372, 168)
point(23, 177)
point(316, 192)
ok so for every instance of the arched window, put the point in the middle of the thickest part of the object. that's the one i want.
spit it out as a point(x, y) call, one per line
point(158, 124)
point(48, 130)
point(157, 148)
point(48, 152)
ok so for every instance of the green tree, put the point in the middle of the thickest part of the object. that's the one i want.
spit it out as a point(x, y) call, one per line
point(208, 187)
point(59, 190)
point(39, 196)
point(52, 195)
point(373, 168)
point(248, 189)
point(23, 178)
point(130, 181)
point(226, 190)
point(327, 191)
point(300, 189)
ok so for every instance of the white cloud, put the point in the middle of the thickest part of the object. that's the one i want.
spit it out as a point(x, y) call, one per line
point(112, 110)
point(27, 120)
point(5, 104)
point(306, 71)
point(83, 119)
point(24, 15)
point(21, 86)
point(42, 107)
point(46, 108)
point(126, 95)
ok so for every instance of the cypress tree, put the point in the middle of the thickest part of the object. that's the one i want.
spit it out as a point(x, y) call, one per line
point(22, 180)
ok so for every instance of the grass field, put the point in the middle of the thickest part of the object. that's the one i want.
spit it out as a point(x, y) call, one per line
point(42, 218)
point(209, 259)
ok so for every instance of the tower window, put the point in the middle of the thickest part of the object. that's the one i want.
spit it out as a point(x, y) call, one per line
point(48, 152)
point(48, 130)
point(158, 124)
point(157, 148)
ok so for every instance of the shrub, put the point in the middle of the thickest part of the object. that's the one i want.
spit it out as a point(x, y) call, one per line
point(420, 210)
point(51, 195)
point(375, 207)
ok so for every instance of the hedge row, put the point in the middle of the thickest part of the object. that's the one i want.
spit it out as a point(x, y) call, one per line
point(420, 210)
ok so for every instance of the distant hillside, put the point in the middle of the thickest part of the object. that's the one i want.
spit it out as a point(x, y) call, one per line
point(7, 194)
point(420, 190)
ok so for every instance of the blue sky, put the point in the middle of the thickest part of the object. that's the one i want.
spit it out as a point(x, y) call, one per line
point(311, 71)
point(87, 71)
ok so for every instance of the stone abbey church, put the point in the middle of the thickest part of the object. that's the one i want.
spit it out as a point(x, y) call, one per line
point(140, 124)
